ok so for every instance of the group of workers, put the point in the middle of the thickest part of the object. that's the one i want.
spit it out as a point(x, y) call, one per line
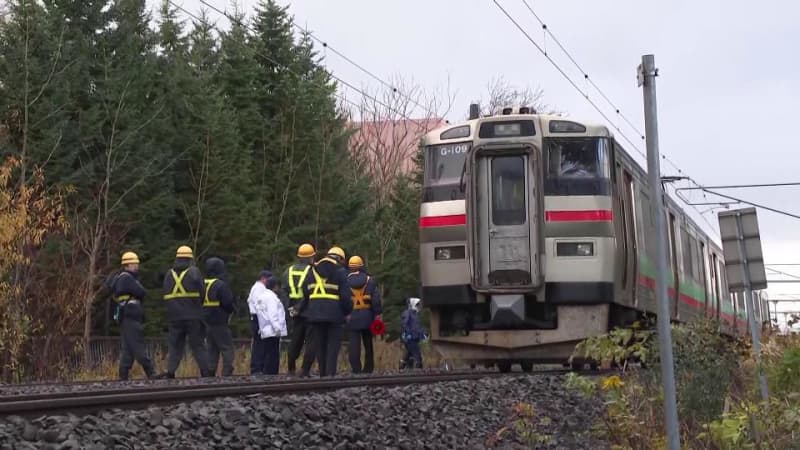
point(321, 298)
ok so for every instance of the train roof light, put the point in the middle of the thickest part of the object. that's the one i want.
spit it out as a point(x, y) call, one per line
point(565, 126)
point(526, 110)
point(507, 111)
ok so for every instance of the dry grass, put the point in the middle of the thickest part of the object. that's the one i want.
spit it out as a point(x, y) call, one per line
point(387, 357)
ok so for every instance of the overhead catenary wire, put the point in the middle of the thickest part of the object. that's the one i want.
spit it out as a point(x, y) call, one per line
point(360, 67)
point(583, 72)
point(568, 78)
point(237, 21)
point(591, 102)
point(255, 52)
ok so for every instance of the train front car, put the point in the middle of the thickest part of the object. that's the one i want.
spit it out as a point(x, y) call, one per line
point(517, 238)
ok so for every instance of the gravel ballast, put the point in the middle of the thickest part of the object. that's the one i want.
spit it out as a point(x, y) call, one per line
point(470, 414)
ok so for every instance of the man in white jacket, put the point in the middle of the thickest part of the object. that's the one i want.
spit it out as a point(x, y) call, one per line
point(268, 309)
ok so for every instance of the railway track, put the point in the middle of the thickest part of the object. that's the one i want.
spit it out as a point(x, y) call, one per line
point(86, 402)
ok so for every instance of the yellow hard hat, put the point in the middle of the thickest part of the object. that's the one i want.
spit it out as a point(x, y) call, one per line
point(337, 251)
point(184, 251)
point(355, 261)
point(305, 251)
point(130, 258)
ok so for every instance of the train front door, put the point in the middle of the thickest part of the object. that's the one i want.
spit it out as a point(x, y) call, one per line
point(504, 217)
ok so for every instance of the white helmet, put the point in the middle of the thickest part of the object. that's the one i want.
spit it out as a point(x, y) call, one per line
point(413, 303)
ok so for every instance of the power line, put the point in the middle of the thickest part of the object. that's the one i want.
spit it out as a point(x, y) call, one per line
point(567, 77)
point(583, 72)
point(233, 19)
point(747, 186)
point(782, 273)
point(380, 80)
point(602, 93)
point(739, 200)
point(586, 97)
point(255, 52)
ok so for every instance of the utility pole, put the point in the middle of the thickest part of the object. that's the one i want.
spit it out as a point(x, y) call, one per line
point(646, 77)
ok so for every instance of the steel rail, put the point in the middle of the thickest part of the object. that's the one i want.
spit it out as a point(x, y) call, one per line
point(91, 401)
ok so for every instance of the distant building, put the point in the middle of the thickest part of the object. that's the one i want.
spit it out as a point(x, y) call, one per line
point(388, 147)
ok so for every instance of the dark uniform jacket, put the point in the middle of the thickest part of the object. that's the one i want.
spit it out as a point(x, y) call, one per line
point(218, 300)
point(330, 310)
point(126, 286)
point(411, 326)
point(286, 290)
point(364, 311)
point(188, 305)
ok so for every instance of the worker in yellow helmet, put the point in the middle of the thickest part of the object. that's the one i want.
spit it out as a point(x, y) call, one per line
point(326, 302)
point(128, 294)
point(184, 291)
point(294, 278)
point(366, 308)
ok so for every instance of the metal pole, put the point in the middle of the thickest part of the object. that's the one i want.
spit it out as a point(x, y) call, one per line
point(647, 77)
point(751, 319)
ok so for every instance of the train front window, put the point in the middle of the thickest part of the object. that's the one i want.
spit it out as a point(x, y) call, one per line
point(444, 166)
point(508, 190)
point(577, 166)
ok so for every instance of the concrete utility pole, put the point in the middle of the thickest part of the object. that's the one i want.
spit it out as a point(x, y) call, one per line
point(646, 76)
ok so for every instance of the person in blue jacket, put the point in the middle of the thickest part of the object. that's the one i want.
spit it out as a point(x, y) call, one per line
point(411, 333)
point(326, 302)
point(366, 308)
point(217, 308)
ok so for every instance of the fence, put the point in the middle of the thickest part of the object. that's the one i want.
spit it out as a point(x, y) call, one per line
point(70, 351)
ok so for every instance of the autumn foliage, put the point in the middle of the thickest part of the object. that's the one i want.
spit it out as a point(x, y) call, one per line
point(28, 214)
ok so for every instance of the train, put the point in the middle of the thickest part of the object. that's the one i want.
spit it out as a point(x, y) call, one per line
point(536, 232)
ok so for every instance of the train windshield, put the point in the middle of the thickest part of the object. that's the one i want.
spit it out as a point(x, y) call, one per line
point(444, 166)
point(577, 166)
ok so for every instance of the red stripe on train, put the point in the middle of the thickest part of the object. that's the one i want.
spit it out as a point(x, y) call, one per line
point(598, 215)
point(683, 298)
point(443, 221)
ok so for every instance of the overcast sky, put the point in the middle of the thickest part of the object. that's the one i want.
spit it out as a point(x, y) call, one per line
point(727, 90)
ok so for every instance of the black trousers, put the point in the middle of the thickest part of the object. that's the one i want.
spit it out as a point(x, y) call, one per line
point(257, 348)
point(355, 339)
point(219, 341)
point(179, 331)
point(132, 348)
point(300, 333)
point(324, 344)
point(413, 356)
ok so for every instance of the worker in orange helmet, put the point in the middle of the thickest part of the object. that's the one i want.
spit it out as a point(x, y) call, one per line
point(366, 309)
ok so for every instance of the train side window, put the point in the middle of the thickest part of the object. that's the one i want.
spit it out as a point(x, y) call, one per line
point(696, 264)
point(703, 273)
point(687, 253)
point(508, 190)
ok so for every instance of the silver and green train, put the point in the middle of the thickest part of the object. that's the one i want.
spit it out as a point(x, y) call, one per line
point(536, 232)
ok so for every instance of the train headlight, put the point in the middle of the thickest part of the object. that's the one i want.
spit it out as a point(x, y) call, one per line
point(449, 253)
point(574, 249)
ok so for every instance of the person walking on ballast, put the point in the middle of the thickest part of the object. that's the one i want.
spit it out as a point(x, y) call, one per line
point(184, 290)
point(128, 295)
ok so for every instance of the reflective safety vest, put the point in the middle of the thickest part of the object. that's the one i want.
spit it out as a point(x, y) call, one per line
point(178, 290)
point(322, 290)
point(361, 299)
point(124, 297)
point(208, 302)
point(296, 289)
